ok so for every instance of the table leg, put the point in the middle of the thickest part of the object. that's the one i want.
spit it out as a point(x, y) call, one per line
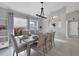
point(28, 50)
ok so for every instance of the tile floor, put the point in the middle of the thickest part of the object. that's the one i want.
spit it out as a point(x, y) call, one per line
point(66, 47)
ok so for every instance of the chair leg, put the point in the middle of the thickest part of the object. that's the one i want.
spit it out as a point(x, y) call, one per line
point(13, 52)
point(53, 44)
point(50, 44)
point(47, 47)
point(44, 53)
point(16, 54)
point(44, 50)
point(28, 50)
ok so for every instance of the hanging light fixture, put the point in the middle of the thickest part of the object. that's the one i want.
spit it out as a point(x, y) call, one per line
point(42, 12)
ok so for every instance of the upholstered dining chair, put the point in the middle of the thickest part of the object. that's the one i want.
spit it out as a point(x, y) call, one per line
point(18, 48)
point(50, 40)
point(40, 45)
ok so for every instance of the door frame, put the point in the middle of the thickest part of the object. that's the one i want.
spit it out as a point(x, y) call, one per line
point(69, 26)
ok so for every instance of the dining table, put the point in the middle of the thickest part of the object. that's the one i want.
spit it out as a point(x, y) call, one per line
point(31, 39)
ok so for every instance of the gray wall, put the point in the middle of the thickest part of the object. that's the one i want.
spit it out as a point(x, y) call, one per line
point(70, 16)
point(61, 18)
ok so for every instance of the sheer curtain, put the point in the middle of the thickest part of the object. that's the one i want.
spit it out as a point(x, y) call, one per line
point(10, 25)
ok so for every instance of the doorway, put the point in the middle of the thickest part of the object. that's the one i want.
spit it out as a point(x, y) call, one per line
point(73, 28)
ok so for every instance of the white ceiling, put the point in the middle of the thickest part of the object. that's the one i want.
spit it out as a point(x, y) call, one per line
point(33, 8)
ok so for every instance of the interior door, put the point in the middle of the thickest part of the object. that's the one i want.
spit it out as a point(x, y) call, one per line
point(74, 28)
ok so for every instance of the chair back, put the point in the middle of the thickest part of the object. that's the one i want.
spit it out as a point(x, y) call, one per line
point(41, 41)
point(53, 36)
point(49, 36)
point(14, 42)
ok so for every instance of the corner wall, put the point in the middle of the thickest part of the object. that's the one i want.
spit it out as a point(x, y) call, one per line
point(60, 30)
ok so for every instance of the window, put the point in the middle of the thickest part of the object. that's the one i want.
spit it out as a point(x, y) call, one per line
point(33, 25)
point(20, 24)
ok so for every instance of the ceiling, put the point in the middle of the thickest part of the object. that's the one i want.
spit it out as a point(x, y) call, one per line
point(33, 8)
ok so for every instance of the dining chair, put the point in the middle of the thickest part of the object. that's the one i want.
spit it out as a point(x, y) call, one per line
point(40, 45)
point(50, 40)
point(18, 48)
